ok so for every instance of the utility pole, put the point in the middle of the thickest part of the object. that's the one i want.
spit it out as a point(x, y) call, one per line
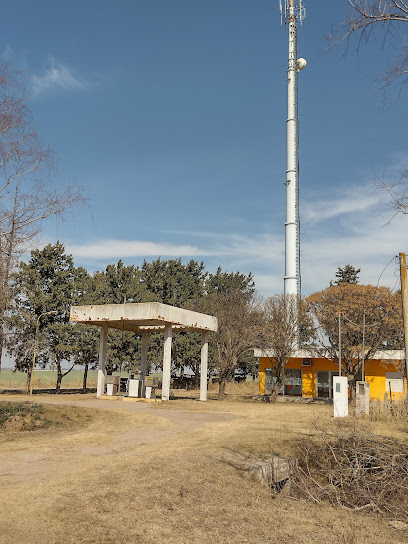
point(339, 344)
point(292, 12)
point(363, 369)
point(404, 293)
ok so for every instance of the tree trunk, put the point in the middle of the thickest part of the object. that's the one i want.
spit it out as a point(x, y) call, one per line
point(280, 372)
point(221, 390)
point(197, 377)
point(1, 339)
point(27, 387)
point(5, 271)
point(85, 378)
point(3, 295)
point(276, 390)
point(59, 378)
point(352, 389)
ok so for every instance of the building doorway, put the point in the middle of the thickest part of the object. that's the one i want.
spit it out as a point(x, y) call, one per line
point(324, 384)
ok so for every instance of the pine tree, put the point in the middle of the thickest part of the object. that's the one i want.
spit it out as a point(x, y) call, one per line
point(49, 282)
point(347, 274)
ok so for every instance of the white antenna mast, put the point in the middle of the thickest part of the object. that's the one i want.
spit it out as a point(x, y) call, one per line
point(292, 12)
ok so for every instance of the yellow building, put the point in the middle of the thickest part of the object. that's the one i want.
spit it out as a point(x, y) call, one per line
point(308, 375)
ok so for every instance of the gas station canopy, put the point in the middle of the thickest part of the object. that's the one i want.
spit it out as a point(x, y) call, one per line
point(145, 318)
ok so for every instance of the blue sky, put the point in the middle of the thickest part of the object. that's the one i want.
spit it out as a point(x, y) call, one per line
point(173, 116)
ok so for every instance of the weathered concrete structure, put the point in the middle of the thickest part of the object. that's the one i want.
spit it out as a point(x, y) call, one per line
point(142, 319)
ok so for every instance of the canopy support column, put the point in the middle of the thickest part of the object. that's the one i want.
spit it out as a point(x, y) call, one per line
point(102, 361)
point(166, 362)
point(204, 365)
point(143, 362)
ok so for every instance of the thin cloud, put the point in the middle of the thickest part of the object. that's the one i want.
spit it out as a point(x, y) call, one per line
point(117, 249)
point(247, 247)
point(57, 77)
point(348, 231)
point(351, 201)
point(250, 247)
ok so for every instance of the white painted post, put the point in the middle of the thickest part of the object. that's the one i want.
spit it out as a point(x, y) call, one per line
point(166, 362)
point(340, 396)
point(143, 362)
point(204, 365)
point(102, 361)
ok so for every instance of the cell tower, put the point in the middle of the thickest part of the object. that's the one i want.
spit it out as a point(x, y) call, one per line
point(292, 13)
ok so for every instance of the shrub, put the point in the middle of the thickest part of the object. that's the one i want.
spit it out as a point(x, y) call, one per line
point(354, 470)
point(11, 409)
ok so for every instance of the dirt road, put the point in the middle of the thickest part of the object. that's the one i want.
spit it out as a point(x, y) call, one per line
point(117, 439)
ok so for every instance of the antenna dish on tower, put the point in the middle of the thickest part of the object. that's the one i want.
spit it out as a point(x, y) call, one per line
point(300, 64)
point(299, 10)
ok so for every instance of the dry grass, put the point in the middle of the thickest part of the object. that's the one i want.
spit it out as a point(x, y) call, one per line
point(237, 389)
point(389, 412)
point(28, 416)
point(147, 474)
point(234, 391)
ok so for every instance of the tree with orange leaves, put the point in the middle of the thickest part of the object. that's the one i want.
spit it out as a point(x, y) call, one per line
point(383, 324)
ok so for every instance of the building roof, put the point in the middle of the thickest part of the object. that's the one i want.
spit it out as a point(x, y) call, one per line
point(388, 355)
point(141, 317)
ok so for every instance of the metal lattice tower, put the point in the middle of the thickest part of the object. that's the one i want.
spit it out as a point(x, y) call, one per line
point(292, 13)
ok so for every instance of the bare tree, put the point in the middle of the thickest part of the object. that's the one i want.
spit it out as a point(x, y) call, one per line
point(385, 16)
point(28, 193)
point(367, 16)
point(286, 322)
point(398, 194)
point(240, 322)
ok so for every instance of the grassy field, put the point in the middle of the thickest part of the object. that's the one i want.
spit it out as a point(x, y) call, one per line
point(146, 473)
point(45, 379)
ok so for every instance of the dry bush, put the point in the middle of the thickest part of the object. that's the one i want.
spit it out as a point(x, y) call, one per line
point(395, 411)
point(237, 388)
point(354, 470)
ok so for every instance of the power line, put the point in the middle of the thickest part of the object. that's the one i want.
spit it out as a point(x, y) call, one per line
point(384, 269)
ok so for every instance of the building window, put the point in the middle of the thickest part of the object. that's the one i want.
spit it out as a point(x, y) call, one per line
point(394, 382)
point(292, 382)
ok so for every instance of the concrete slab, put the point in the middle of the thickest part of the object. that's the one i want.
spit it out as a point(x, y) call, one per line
point(127, 399)
point(141, 317)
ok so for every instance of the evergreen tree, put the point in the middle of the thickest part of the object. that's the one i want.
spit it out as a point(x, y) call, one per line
point(172, 282)
point(49, 282)
point(119, 284)
point(222, 282)
point(182, 285)
point(347, 274)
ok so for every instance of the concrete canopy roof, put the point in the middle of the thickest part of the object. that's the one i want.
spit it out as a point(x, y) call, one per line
point(143, 317)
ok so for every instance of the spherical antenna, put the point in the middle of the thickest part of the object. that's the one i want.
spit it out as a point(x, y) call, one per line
point(300, 64)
